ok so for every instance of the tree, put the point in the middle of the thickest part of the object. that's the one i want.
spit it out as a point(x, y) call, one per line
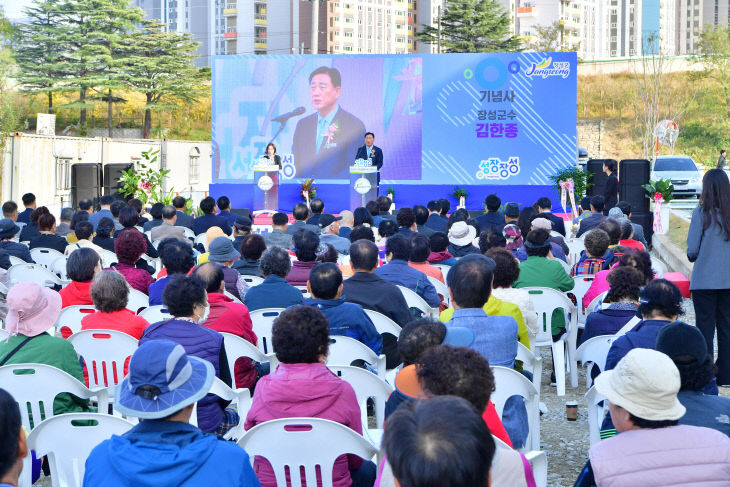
point(472, 26)
point(9, 120)
point(93, 29)
point(552, 38)
point(714, 55)
point(160, 65)
point(38, 50)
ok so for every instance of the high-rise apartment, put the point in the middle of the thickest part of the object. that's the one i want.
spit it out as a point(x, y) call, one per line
point(693, 16)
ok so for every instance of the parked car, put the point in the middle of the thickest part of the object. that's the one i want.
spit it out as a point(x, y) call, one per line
point(683, 173)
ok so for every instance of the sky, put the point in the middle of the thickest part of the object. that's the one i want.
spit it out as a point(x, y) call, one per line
point(14, 8)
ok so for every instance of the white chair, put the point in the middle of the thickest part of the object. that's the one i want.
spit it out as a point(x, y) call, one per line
point(155, 314)
point(71, 317)
point(236, 347)
point(67, 440)
point(202, 239)
point(230, 295)
point(537, 459)
point(58, 267)
point(582, 283)
point(104, 352)
point(531, 363)
point(311, 444)
point(137, 300)
point(108, 258)
point(366, 385)
point(32, 273)
point(597, 409)
point(545, 301)
point(594, 352)
point(16, 260)
point(37, 385)
point(45, 256)
point(345, 350)
point(189, 233)
point(510, 383)
point(442, 289)
point(3, 335)
point(253, 280)
point(240, 397)
point(659, 267)
point(444, 269)
point(413, 300)
point(596, 303)
point(382, 323)
point(575, 247)
point(262, 320)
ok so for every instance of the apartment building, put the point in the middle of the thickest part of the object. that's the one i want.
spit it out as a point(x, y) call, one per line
point(695, 15)
point(261, 27)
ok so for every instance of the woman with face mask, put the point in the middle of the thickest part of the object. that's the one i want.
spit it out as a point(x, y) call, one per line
point(187, 301)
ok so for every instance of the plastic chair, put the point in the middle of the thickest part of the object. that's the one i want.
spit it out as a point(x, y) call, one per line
point(345, 350)
point(510, 383)
point(659, 267)
point(311, 444)
point(108, 258)
point(137, 300)
point(545, 301)
point(104, 352)
point(32, 273)
point(441, 289)
point(262, 320)
point(201, 239)
point(382, 323)
point(189, 233)
point(67, 445)
point(45, 256)
point(575, 247)
point(71, 317)
point(595, 303)
point(413, 300)
point(16, 260)
point(240, 397)
point(597, 410)
point(253, 280)
point(537, 459)
point(582, 283)
point(230, 295)
point(38, 384)
point(155, 314)
point(366, 385)
point(236, 347)
point(532, 363)
point(58, 267)
point(444, 269)
point(594, 352)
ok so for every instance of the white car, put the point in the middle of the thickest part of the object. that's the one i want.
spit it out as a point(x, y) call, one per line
point(682, 171)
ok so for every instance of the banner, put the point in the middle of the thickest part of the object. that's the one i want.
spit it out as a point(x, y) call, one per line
point(440, 119)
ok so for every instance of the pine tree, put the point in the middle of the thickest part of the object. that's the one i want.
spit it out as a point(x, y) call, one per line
point(160, 65)
point(38, 50)
point(472, 26)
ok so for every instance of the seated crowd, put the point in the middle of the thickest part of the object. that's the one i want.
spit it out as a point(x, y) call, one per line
point(332, 275)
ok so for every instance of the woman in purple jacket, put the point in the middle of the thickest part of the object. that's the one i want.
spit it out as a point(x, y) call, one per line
point(303, 386)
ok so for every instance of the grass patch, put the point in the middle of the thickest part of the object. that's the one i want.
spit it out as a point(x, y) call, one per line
point(678, 230)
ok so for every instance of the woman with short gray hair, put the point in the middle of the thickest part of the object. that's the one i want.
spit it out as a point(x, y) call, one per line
point(110, 291)
point(274, 292)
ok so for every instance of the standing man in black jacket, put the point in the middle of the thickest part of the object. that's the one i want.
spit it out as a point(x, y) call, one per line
point(610, 192)
point(371, 152)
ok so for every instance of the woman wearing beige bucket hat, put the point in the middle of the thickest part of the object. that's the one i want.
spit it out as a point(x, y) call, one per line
point(461, 236)
point(32, 311)
point(651, 448)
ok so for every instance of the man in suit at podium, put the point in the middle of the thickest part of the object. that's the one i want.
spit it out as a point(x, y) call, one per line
point(370, 152)
point(325, 141)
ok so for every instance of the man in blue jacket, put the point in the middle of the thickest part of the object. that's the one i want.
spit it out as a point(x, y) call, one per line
point(209, 218)
point(398, 272)
point(348, 319)
point(163, 449)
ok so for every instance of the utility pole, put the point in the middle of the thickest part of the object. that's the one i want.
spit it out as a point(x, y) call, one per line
point(438, 45)
point(315, 27)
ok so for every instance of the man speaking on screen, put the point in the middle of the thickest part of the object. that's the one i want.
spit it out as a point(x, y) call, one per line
point(370, 152)
point(325, 141)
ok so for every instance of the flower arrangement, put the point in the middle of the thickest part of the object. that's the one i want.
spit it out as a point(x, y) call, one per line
point(390, 192)
point(661, 187)
point(145, 183)
point(459, 192)
point(581, 181)
point(309, 190)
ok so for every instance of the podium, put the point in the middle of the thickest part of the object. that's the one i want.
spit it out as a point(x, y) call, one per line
point(363, 185)
point(266, 191)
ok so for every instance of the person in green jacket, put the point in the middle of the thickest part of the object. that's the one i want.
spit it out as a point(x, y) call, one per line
point(542, 270)
point(32, 311)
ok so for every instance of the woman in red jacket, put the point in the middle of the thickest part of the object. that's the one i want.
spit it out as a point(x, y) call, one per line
point(110, 292)
point(81, 267)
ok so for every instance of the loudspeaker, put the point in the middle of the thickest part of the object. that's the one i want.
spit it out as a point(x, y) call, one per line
point(112, 173)
point(633, 173)
point(85, 183)
point(646, 220)
point(598, 177)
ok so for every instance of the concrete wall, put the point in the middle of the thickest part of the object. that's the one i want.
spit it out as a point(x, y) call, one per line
point(589, 137)
point(42, 164)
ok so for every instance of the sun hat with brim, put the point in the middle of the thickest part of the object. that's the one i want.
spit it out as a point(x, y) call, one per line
point(645, 383)
point(8, 228)
point(461, 233)
point(213, 233)
point(221, 250)
point(174, 380)
point(32, 309)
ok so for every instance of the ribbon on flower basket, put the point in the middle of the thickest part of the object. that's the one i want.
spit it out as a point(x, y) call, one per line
point(563, 194)
point(658, 200)
point(571, 192)
point(305, 193)
point(462, 202)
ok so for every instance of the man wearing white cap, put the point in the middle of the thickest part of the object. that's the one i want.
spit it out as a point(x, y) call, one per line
point(652, 449)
